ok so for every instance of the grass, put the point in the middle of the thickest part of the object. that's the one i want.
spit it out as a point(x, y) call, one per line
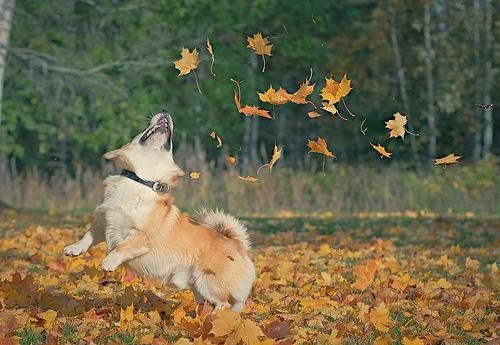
point(344, 190)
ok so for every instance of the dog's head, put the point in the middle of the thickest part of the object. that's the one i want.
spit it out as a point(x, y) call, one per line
point(149, 154)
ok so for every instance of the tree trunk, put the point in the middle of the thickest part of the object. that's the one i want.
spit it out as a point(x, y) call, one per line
point(6, 13)
point(401, 77)
point(476, 151)
point(488, 116)
point(431, 97)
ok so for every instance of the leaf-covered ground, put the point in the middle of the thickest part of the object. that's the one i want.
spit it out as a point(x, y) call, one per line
point(384, 279)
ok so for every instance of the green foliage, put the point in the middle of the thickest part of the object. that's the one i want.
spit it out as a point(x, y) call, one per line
point(71, 91)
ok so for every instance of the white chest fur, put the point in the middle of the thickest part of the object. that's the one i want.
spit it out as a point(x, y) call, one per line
point(126, 205)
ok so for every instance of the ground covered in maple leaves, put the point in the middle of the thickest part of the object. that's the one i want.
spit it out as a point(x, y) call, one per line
point(381, 279)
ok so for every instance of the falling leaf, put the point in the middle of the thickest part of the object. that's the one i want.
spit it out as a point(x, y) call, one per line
point(231, 160)
point(332, 110)
point(299, 96)
point(194, 175)
point(248, 110)
point(331, 93)
point(379, 317)
point(364, 274)
point(274, 97)
point(213, 135)
point(345, 86)
point(319, 146)
point(449, 159)
point(397, 126)
point(380, 149)
point(248, 178)
point(211, 52)
point(274, 158)
point(313, 114)
point(260, 45)
point(188, 62)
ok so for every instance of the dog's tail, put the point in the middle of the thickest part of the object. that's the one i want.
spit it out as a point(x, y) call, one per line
point(225, 224)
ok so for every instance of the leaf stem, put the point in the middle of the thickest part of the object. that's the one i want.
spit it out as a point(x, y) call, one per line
point(345, 106)
point(410, 133)
point(196, 79)
point(264, 65)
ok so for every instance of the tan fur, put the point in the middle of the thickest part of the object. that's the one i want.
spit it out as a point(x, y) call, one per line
point(148, 233)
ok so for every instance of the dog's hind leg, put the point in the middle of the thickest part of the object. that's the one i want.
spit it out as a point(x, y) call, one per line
point(92, 237)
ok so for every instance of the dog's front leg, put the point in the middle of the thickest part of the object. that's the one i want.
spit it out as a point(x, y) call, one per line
point(92, 237)
point(136, 244)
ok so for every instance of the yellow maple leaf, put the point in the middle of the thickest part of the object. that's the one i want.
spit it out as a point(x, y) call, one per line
point(334, 339)
point(379, 317)
point(188, 62)
point(126, 315)
point(397, 126)
point(274, 159)
point(331, 92)
point(449, 159)
point(330, 108)
point(260, 45)
point(345, 86)
point(319, 146)
point(274, 97)
point(194, 175)
point(248, 178)
point(415, 341)
point(441, 284)
point(223, 322)
point(49, 318)
point(383, 340)
point(364, 274)
point(380, 149)
point(247, 333)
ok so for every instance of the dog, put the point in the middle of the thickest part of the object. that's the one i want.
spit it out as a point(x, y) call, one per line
point(145, 230)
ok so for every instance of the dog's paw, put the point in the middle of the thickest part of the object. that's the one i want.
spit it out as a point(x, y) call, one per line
point(111, 262)
point(73, 250)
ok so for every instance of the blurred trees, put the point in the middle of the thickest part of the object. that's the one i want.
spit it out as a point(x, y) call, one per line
point(82, 76)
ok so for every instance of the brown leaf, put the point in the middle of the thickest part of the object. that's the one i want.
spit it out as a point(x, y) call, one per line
point(248, 178)
point(319, 146)
point(260, 45)
point(248, 110)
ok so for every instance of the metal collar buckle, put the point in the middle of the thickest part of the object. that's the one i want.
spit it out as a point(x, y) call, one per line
point(160, 187)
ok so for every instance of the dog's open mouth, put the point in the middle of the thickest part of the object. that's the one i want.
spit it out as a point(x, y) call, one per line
point(161, 126)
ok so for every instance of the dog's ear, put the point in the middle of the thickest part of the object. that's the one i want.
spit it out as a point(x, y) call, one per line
point(113, 155)
point(179, 172)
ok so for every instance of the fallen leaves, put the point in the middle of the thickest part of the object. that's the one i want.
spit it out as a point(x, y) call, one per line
point(306, 289)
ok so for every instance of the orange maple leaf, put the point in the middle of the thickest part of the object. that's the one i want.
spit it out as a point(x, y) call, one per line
point(299, 96)
point(449, 159)
point(274, 97)
point(231, 160)
point(380, 149)
point(379, 317)
point(274, 159)
point(319, 146)
point(331, 91)
point(248, 110)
